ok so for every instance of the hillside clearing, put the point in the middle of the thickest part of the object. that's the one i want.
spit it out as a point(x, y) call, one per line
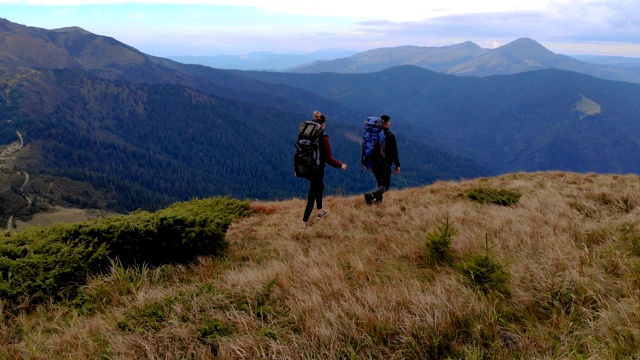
point(58, 214)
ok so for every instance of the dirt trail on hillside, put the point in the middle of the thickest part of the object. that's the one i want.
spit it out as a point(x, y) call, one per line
point(9, 223)
point(5, 154)
point(26, 180)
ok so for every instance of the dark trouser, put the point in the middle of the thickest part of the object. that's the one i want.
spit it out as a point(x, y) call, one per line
point(316, 189)
point(383, 180)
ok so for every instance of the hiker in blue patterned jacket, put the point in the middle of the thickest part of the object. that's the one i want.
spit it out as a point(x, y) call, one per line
point(382, 170)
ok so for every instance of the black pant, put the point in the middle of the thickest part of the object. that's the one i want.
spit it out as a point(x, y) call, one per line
point(383, 180)
point(316, 189)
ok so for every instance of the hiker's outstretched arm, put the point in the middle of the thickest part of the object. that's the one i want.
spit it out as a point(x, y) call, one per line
point(328, 157)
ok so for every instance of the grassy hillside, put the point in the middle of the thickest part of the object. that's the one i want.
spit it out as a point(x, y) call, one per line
point(430, 273)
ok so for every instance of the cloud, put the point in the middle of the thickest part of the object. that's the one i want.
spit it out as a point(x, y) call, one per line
point(397, 10)
point(285, 25)
point(604, 20)
point(563, 21)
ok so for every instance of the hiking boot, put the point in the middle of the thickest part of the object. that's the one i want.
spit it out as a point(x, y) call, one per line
point(368, 198)
point(378, 198)
point(324, 213)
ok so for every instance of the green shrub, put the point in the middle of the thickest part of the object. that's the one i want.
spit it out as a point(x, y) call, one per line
point(212, 330)
point(52, 262)
point(438, 247)
point(493, 196)
point(485, 273)
point(148, 317)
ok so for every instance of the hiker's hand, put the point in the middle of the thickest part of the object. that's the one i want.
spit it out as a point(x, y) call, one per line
point(397, 169)
point(344, 166)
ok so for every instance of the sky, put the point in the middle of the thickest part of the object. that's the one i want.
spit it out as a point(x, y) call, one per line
point(236, 27)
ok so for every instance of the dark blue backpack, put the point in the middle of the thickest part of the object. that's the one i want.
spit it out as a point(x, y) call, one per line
point(372, 142)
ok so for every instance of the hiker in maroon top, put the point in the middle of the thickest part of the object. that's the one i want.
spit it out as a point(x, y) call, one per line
point(316, 183)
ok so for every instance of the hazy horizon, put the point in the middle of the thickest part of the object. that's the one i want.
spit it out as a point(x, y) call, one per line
point(217, 27)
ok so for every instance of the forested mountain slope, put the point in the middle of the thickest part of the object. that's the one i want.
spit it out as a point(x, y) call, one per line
point(127, 130)
point(538, 120)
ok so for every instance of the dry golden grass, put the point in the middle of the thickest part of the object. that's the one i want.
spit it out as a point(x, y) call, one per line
point(357, 283)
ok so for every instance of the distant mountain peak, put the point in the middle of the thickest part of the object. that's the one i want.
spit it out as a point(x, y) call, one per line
point(64, 48)
point(525, 45)
point(8, 25)
point(467, 45)
point(72, 29)
point(525, 40)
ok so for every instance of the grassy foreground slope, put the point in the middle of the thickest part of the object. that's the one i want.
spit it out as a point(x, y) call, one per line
point(554, 275)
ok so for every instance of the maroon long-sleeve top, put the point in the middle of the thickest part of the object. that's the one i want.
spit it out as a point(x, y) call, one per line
point(327, 157)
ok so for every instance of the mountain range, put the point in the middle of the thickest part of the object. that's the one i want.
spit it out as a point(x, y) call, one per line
point(458, 59)
point(263, 60)
point(104, 125)
point(469, 59)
